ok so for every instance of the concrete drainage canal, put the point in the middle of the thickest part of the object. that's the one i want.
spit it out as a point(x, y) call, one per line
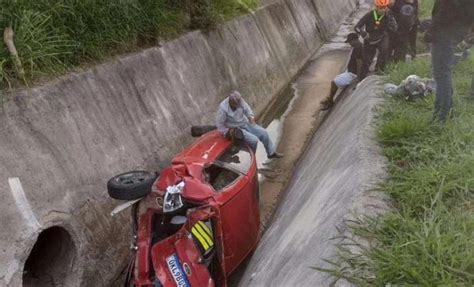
point(57, 258)
point(51, 261)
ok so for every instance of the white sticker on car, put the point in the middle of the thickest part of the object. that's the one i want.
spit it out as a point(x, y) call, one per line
point(177, 271)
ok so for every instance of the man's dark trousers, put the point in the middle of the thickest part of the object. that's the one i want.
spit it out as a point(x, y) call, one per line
point(442, 57)
point(369, 53)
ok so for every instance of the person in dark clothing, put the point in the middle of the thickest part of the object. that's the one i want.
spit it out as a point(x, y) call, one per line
point(397, 6)
point(451, 20)
point(354, 69)
point(413, 38)
point(374, 28)
point(404, 40)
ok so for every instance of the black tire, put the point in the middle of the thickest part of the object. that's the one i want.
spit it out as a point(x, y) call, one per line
point(131, 185)
point(197, 131)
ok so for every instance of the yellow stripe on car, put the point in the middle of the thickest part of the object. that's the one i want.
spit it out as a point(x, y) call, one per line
point(199, 237)
point(204, 234)
point(206, 228)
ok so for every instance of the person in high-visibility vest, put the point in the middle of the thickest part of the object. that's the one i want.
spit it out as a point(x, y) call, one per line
point(374, 28)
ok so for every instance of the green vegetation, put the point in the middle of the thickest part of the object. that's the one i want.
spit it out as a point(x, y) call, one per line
point(53, 36)
point(425, 8)
point(426, 239)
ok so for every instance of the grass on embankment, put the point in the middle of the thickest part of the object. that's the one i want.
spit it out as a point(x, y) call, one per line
point(53, 36)
point(425, 8)
point(427, 238)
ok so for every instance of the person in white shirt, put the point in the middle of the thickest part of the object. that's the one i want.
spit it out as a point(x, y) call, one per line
point(234, 113)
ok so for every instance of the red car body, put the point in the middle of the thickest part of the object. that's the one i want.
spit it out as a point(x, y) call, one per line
point(221, 217)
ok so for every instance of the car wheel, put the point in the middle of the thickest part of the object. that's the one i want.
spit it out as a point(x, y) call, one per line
point(131, 185)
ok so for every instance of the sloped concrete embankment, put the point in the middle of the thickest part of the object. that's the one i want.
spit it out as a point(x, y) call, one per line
point(60, 142)
point(332, 184)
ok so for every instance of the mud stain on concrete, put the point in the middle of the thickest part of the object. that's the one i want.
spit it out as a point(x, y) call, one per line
point(311, 87)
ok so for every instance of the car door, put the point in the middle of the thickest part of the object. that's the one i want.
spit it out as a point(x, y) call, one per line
point(184, 259)
point(237, 197)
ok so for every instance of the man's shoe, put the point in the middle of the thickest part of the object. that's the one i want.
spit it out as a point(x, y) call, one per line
point(276, 155)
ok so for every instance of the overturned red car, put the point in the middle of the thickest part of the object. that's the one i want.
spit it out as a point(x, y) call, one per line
point(197, 220)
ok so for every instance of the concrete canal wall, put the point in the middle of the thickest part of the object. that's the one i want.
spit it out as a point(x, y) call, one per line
point(60, 142)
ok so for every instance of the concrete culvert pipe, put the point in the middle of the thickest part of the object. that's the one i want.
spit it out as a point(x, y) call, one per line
point(51, 260)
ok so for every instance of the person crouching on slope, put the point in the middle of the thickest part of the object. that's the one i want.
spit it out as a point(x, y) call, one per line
point(354, 70)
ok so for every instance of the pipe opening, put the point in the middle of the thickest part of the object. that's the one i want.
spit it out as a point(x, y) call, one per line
point(51, 260)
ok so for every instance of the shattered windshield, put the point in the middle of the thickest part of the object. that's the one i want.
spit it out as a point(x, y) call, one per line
point(237, 157)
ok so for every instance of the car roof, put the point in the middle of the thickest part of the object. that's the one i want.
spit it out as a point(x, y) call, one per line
point(189, 165)
point(190, 162)
point(206, 149)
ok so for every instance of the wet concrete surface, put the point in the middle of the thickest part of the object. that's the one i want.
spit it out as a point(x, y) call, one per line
point(310, 88)
point(322, 180)
point(291, 120)
point(294, 116)
point(331, 182)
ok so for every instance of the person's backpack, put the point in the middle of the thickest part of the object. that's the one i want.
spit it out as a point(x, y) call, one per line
point(406, 18)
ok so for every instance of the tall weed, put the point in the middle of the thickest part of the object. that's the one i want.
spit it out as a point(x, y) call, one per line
point(53, 36)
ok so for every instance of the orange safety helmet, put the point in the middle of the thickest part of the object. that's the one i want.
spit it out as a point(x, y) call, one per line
point(382, 3)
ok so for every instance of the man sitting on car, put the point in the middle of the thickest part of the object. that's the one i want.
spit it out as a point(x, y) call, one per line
point(235, 115)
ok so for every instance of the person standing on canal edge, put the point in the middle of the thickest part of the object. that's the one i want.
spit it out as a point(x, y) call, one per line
point(451, 22)
point(403, 42)
point(374, 28)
